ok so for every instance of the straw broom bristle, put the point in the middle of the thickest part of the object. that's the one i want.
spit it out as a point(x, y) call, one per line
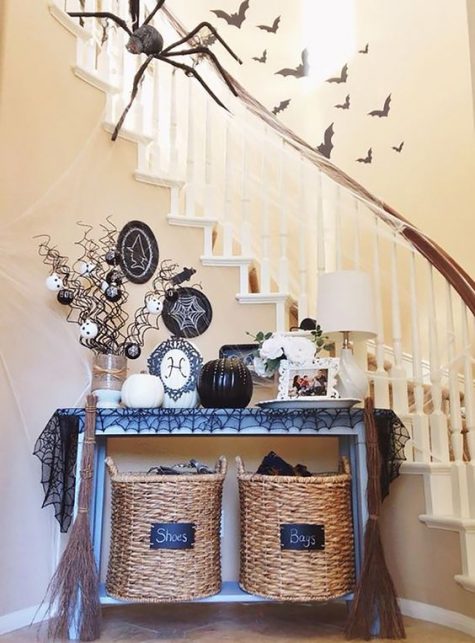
point(73, 589)
point(375, 596)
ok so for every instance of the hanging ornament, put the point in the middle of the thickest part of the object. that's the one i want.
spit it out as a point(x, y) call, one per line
point(132, 350)
point(189, 314)
point(113, 293)
point(114, 277)
point(85, 268)
point(54, 282)
point(89, 329)
point(112, 257)
point(65, 296)
point(154, 305)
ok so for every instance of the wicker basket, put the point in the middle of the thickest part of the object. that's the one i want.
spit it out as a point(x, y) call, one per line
point(271, 503)
point(141, 505)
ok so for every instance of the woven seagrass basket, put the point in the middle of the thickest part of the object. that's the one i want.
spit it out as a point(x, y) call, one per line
point(149, 510)
point(320, 503)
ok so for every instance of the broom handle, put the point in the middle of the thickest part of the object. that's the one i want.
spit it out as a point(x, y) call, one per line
point(87, 462)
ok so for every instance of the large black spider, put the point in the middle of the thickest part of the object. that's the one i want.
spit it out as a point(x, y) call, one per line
point(145, 39)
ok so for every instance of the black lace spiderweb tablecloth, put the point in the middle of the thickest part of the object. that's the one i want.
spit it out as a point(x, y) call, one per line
point(56, 447)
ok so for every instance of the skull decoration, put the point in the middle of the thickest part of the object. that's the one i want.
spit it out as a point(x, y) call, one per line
point(85, 267)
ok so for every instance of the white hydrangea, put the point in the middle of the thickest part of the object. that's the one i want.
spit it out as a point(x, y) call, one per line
point(272, 348)
point(260, 367)
point(298, 349)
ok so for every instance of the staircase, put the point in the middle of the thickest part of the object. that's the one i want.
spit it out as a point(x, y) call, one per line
point(281, 214)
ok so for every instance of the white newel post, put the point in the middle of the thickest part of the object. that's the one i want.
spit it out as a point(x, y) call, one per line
point(397, 373)
point(380, 376)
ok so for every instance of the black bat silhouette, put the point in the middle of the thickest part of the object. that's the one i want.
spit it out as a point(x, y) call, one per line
point(326, 147)
point(281, 106)
point(365, 49)
point(368, 158)
point(272, 29)
point(235, 19)
point(384, 111)
point(345, 105)
point(261, 59)
point(342, 78)
point(300, 71)
point(398, 148)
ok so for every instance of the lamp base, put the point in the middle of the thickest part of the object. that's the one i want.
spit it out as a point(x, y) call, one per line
point(352, 380)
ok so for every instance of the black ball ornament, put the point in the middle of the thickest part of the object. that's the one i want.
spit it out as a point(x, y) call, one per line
point(112, 293)
point(114, 277)
point(65, 296)
point(132, 350)
point(225, 383)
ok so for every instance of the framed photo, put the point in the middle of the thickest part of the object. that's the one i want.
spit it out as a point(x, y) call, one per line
point(313, 379)
point(246, 352)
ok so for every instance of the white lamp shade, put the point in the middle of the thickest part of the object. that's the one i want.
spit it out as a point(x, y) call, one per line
point(345, 303)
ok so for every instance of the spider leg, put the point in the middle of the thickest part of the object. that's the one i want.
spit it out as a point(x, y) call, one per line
point(195, 31)
point(190, 70)
point(135, 88)
point(150, 16)
point(207, 52)
point(101, 14)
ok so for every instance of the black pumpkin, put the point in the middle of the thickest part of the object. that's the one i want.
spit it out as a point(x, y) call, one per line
point(225, 383)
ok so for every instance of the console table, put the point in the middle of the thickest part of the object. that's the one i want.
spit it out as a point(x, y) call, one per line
point(60, 449)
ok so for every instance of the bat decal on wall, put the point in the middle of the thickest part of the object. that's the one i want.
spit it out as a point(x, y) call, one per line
point(382, 112)
point(398, 148)
point(261, 59)
point(298, 72)
point(345, 105)
point(326, 147)
point(342, 78)
point(281, 106)
point(273, 28)
point(368, 158)
point(235, 19)
point(365, 49)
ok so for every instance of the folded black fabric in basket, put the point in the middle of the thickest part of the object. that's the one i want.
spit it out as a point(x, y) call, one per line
point(273, 465)
point(193, 466)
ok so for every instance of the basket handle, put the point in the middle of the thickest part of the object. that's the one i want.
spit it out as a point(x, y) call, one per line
point(221, 465)
point(240, 466)
point(345, 465)
point(111, 466)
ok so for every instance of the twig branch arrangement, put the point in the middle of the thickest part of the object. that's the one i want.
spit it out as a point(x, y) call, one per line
point(94, 289)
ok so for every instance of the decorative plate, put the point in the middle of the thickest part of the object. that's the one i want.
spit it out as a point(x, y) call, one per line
point(188, 313)
point(309, 403)
point(138, 250)
point(177, 363)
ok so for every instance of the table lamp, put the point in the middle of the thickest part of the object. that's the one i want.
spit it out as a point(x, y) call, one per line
point(345, 305)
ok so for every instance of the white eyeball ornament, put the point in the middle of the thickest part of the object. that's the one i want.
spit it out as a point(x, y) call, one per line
point(154, 305)
point(85, 268)
point(54, 282)
point(88, 330)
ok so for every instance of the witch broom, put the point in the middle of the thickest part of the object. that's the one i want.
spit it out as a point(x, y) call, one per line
point(375, 597)
point(74, 587)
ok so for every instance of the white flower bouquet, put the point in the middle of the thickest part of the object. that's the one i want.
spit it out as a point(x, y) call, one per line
point(295, 347)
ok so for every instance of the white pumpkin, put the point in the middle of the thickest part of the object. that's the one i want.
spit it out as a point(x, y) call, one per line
point(142, 390)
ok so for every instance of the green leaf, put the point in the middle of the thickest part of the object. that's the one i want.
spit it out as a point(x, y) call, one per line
point(272, 364)
point(268, 335)
point(260, 336)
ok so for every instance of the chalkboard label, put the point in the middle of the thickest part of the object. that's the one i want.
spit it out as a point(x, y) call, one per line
point(300, 536)
point(172, 535)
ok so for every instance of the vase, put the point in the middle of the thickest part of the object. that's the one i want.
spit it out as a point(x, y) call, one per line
point(108, 374)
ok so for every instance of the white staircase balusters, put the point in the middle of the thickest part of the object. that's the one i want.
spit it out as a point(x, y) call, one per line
point(320, 224)
point(173, 168)
point(468, 406)
point(357, 216)
point(265, 225)
point(283, 279)
point(190, 156)
point(420, 421)
point(303, 220)
point(380, 376)
point(438, 420)
point(397, 373)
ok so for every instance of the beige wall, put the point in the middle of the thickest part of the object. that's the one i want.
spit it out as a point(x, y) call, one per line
point(58, 166)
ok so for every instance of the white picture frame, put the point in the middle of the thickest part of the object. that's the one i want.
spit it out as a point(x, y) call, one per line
point(315, 379)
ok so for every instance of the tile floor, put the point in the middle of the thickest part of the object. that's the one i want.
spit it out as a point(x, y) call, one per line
point(236, 623)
